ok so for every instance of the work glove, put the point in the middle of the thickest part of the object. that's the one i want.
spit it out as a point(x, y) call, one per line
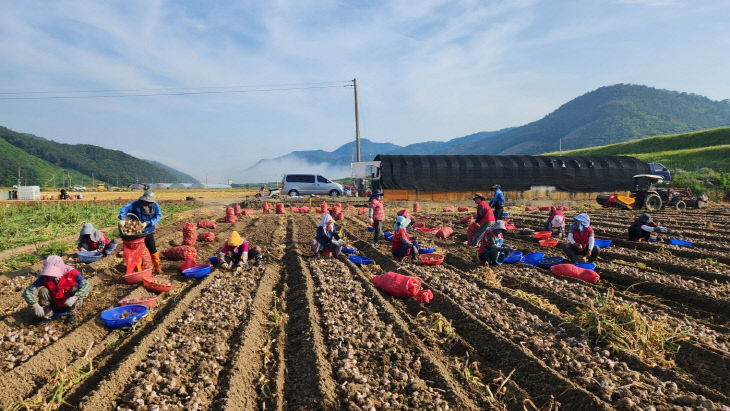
point(144, 224)
point(370, 221)
point(38, 310)
point(100, 247)
point(70, 301)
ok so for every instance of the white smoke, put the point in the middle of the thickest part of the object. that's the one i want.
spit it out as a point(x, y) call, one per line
point(274, 170)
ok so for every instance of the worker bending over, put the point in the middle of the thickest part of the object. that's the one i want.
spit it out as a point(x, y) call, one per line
point(581, 245)
point(642, 228)
point(148, 212)
point(483, 218)
point(402, 244)
point(61, 289)
point(492, 248)
point(234, 253)
point(556, 219)
point(327, 238)
point(91, 239)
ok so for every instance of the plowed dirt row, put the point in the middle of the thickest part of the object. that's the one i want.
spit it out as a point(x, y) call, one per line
point(700, 399)
point(308, 333)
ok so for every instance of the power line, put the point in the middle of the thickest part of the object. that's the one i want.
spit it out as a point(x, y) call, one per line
point(187, 93)
point(175, 88)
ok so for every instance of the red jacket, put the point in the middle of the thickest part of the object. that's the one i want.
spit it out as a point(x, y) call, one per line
point(62, 290)
point(398, 237)
point(485, 244)
point(378, 210)
point(94, 245)
point(582, 238)
point(488, 215)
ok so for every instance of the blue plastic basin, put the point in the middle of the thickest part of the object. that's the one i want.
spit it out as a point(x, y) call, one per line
point(360, 260)
point(683, 243)
point(369, 228)
point(513, 257)
point(550, 261)
point(602, 243)
point(426, 250)
point(198, 271)
point(589, 266)
point(505, 215)
point(89, 256)
point(532, 258)
point(349, 250)
point(652, 239)
point(133, 312)
point(388, 236)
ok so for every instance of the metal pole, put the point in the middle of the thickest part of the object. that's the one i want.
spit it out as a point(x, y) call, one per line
point(357, 120)
point(561, 146)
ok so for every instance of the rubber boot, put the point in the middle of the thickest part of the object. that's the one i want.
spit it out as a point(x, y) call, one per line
point(156, 262)
point(139, 265)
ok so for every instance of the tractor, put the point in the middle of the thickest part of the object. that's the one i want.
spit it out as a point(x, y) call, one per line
point(645, 195)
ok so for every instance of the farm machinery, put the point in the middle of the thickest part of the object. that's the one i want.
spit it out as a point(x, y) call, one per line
point(645, 195)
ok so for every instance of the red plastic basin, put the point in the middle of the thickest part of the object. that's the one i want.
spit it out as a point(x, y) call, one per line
point(548, 243)
point(134, 278)
point(148, 301)
point(157, 285)
point(431, 259)
point(543, 234)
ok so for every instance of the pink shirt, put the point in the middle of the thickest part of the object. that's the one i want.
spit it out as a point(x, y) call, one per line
point(378, 210)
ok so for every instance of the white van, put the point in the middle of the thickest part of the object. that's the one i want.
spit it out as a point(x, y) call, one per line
point(305, 184)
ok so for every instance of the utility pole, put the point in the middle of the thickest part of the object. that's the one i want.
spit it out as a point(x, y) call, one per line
point(561, 146)
point(357, 120)
point(19, 176)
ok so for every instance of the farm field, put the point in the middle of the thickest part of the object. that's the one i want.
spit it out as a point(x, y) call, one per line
point(316, 334)
point(175, 194)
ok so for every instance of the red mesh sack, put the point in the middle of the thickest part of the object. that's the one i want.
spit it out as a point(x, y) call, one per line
point(246, 212)
point(530, 208)
point(467, 219)
point(207, 237)
point(237, 209)
point(231, 219)
point(397, 285)
point(473, 227)
point(563, 208)
point(424, 296)
point(405, 213)
point(304, 210)
point(338, 205)
point(189, 263)
point(179, 253)
point(339, 216)
point(448, 209)
point(545, 208)
point(134, 250)
point(419, 224)
point(416, 207)
point(348, 208)
point(362, 211)
point(189, 234)
point(463, 209)
point(229, 211)
point(206, 224)
point(569, 270)
point(265, 207)
point(294, 209)
point(280, 208)
point(323, 206)
point(444, 232)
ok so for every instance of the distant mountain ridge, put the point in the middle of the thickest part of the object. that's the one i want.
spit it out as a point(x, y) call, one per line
point(43, 162)
point(607, 115)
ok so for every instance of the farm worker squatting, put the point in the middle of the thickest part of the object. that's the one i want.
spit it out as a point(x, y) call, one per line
point(61, 289)
point(327, 238)
point(581, 241)
point(91, 239)
point(497, 202)
point(556, 219)
point(402, 245)
point(483, 218)
point(149, 213)
point(376, 214)
point(492, 248)
point(642, 228)
point(234, 253)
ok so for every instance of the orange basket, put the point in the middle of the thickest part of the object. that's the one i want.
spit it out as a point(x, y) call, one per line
point(541, 235)
point(548, 243)
point(148, 301)
point(157, 285)
point(134, 278)
point(431, 259)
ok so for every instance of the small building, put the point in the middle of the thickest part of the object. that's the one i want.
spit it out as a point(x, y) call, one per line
point(29, 193)
point(136, 186)
point(159, 186)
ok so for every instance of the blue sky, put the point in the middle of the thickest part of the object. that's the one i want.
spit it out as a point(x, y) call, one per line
point(426, 70)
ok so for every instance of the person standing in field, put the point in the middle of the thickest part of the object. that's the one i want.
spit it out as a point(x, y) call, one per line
point(61, 289)
point(497, 202)
point(376, 214)
point(149, 213)
point(483, 219)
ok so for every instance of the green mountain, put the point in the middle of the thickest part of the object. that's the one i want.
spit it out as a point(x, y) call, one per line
point(607, 115)
point(111, 166)
point(688, 151)
point(33, 170)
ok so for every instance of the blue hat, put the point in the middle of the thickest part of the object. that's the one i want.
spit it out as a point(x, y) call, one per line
point(376, 193)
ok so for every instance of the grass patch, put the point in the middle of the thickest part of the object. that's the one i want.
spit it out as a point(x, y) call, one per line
point(30, 223)
point(622, 327)
point(19, 261)
point(436, 327)
point(537, 301)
